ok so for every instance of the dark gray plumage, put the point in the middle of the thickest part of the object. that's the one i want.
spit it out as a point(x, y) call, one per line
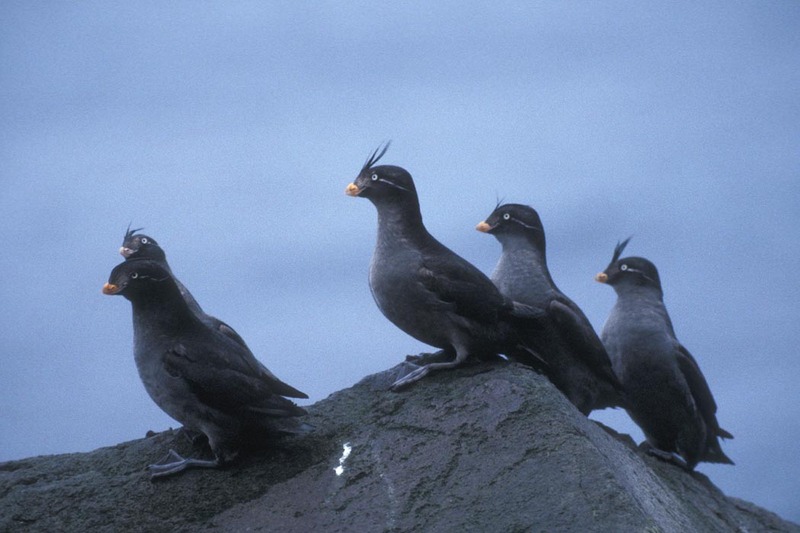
point(577, 362)
point(139, 246)
point(668, 397)
point(430, 292)
point(199, 376)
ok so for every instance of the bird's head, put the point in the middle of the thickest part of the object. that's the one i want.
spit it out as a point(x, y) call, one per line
point(139, 246)
point(509, 221)
point(382, 183)
point(136, 278)
point(629, 271)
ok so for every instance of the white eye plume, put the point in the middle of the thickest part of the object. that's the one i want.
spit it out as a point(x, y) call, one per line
point(507, 217)
point(390, 183)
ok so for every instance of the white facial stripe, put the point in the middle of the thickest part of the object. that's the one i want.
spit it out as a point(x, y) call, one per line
point(524, 225)
point(396, 186)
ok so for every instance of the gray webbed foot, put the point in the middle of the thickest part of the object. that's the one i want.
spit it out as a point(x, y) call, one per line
point(419, 373)
point(195, 438)
point(667, 457)
point(428, 358)
point(174, 463)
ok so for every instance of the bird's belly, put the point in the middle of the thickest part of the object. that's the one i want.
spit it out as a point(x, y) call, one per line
point(658, 397)
point(637, 350)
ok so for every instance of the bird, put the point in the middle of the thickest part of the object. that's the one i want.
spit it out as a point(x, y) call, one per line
point(667, 394)
point(138, 246)
point(196, 374)
point(578, 363)
point(430, 292)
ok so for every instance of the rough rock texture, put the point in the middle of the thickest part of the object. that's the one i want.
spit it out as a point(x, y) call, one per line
point(486, 448)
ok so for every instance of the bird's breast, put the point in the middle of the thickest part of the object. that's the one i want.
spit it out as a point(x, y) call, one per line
point(392, 278)
point(522, 277)
point(636, 337)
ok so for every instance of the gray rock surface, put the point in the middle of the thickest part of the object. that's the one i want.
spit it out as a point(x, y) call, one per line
point(484, 448)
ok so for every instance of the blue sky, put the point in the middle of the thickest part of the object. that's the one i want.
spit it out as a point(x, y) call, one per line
point(229, 132)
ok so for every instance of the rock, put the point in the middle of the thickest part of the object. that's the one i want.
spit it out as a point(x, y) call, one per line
point(493, 447)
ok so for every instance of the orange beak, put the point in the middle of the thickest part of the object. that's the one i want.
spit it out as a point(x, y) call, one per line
point(483, 227)
point(110, 288)
point(352, 190)
point(602, 277)
point(125, 252)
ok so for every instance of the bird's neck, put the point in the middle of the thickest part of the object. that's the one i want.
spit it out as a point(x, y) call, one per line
point(532, 239)
point(523, 245)
point(401, 222)
point(165, 307)
point(522, 273)
point(641, 293)
point(640, 308)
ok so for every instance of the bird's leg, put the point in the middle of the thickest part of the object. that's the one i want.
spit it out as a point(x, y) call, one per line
point(195, 438)
point(418, 374)
point(527, 356)
point(665, 456)
point(174, 463)
point(428, 358)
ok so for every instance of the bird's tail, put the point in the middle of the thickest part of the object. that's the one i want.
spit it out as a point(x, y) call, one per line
point(714, 453)
point(269, 427)
point(718, 456)
point(724, 434)
point(291, 426)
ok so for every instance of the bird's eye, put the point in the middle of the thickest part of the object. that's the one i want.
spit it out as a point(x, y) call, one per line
point(623, 267)
point(374, 177)
point(144, 240)
point(134, 275)
point(506, 216)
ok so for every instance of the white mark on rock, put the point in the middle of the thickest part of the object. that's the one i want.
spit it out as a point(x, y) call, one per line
point(346, 449)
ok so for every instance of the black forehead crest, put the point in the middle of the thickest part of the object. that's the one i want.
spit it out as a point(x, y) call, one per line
point(619, 248)
point(130, 232)
point(376, 156)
